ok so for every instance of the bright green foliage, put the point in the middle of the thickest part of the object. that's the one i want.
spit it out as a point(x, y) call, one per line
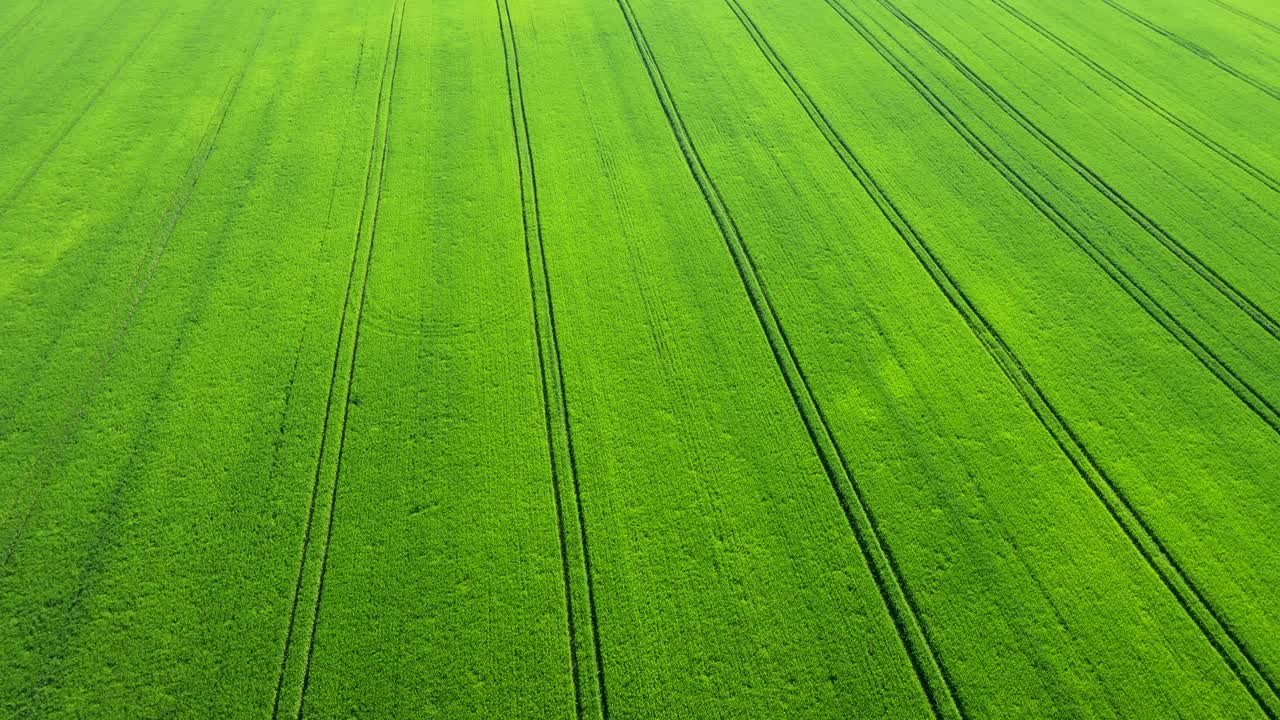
point(638, 359)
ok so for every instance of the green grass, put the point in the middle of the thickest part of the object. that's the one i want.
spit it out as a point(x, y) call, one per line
point(633, 359)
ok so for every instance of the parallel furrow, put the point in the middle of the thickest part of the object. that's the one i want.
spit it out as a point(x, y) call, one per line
point(1242, 389)
point(111, 518)
point(139, 285)
point(894, 591)
point(304, 619)
point(1225, 153)
point(1196, 49)
point(585, 652)
point(8, 202)
point(1143, 537)
point(180, 196)
point(24, 181)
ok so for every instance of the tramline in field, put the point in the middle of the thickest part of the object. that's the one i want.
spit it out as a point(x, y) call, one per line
point(632, 359)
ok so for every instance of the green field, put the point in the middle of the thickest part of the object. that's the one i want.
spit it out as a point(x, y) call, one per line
point(636, 359)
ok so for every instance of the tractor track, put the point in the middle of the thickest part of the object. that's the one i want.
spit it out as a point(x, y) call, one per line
point(1254, 400)
point(590, 695)
point(140, 284)
point(1149, 225)
point(896, 595)
point(1169, 116)
point(1207, 617)
point(295, 685)
point(1196, 49)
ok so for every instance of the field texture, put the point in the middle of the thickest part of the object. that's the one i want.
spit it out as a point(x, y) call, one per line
point(638, 359)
